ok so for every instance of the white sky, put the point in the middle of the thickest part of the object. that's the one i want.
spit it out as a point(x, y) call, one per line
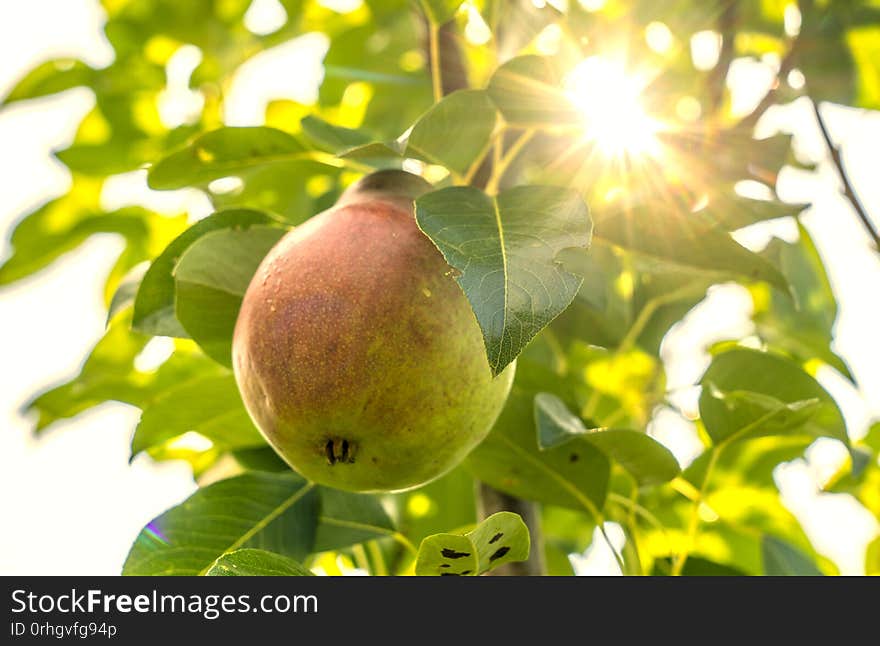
point(71, 504)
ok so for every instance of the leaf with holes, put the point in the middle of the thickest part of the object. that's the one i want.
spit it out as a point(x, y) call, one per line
point(573, 476)
point(501, 538)
point(644, 457)
point(211, 278)
point(505, 248)
point(154, 303)
point(251, 562)
point(272, 511)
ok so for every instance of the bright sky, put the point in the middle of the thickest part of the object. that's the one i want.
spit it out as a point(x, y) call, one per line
point(72, 504)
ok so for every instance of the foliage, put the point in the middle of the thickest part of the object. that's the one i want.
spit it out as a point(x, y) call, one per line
point(576, 259)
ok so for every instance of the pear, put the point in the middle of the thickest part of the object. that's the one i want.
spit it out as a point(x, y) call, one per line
point(357, 354)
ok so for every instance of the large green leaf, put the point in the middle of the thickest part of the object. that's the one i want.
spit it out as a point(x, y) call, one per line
point(527, 92)
point(781, 559)
point(501, 538)
point(748, 392)
point(222, 153)
point(670, 237)
point(154, 303)
point(505, 248)
point(210, 406)
point(644, 457)
point(455, 131)
point(252, 562)
point(349, 518)
point(211, 278)
point(274, 512)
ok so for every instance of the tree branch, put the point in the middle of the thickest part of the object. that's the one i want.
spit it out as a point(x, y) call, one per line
point(848, 190)
point(727, 28)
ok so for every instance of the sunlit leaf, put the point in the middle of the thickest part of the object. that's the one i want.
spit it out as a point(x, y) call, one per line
point(222, 153)
point(49, 78)
point(455, 131)
point(505, 248)
point(673, 238)
point(747, 392)
point(527, 92)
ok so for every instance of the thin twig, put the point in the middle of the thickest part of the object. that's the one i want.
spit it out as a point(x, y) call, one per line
point(434, 45)
point(848, 190)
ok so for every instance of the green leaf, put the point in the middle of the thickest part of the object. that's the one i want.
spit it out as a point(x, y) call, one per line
point(349, 518)
point(222, 153)
point(50, 78)
point(573, 475)
point(505, 248)
point(781, 559)
point(527, 91)
point(644, 457)
point(440, 11)
point(211, 278)
point(731, 212)
point(501, 538)
point(332, 138)
point(251, 562)
point(210, 406)
point(154, 303)
point(127, 290)
point(455, 131)
point(274, 512)
point(804, 326)
point(670, 237)
point(748, 392)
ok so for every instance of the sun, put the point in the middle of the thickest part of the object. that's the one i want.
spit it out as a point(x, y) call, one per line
point(609, 99)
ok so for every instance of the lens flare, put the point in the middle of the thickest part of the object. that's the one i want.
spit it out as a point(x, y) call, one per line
point(609, 98)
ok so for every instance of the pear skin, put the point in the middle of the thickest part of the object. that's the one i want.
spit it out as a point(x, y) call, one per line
point(357, 354)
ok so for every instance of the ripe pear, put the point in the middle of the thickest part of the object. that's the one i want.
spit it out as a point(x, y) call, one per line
point(357, 354)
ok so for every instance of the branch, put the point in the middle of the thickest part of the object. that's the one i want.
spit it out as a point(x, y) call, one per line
point(727, 28)
point(848, 190)
point(786, 65)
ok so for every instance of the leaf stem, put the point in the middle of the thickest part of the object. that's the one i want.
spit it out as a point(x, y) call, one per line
point(375, 552)
point(507, 159)
point(848, 190)
point(434, 45)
